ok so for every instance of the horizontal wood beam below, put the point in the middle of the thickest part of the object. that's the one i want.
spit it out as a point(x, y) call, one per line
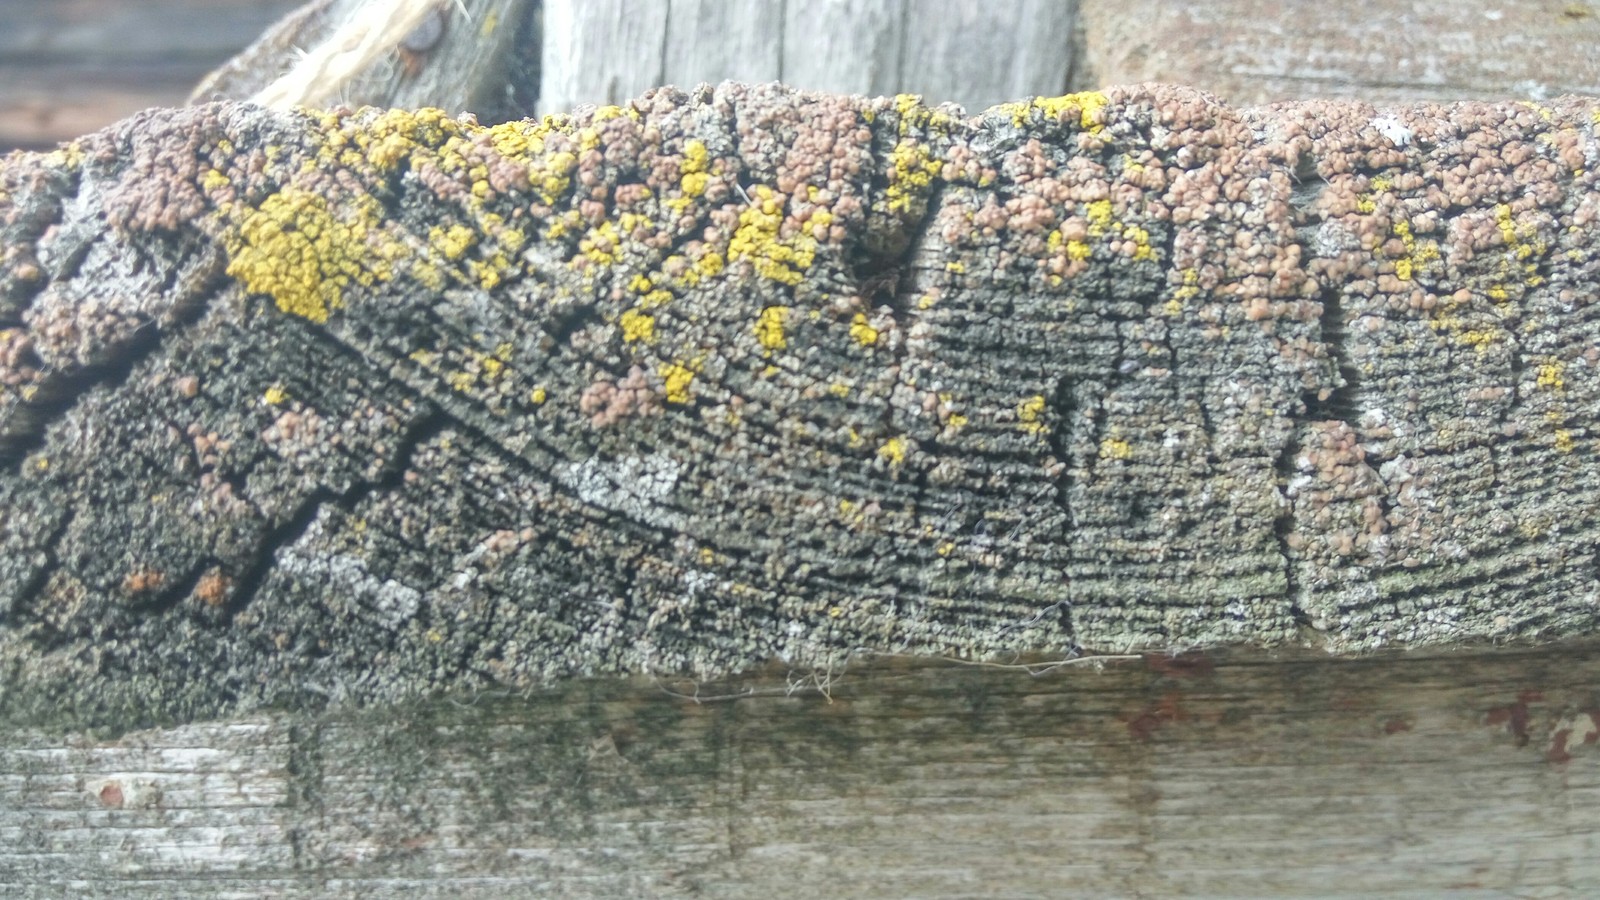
point(1227, 774)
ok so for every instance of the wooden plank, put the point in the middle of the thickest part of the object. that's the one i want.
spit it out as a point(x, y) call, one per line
point(845, 46)
point(981, 52)
point(714, 41)
point(68, 68)
point(600, 51)
point(1261, 51)
point(1230, 774)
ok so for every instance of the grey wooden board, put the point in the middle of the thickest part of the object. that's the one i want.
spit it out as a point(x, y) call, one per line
point(600, 51)
point(1461, 774)
point(1260, 51)
point(971, 52)
point(68, 68)
point(475, 64)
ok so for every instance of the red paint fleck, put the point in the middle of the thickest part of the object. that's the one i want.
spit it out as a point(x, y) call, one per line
point(111, 795)
point(1142, 726)
point(1515, 716)
point(1189, 664)
point(1396, 724)
point(1560, 749)
point(1558, 746)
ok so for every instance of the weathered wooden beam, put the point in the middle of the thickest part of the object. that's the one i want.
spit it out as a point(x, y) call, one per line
point(1400, 775)
point(69, 68)
point(365, 406)
point(1378, 51)
point(461, 55)
point(972, 52)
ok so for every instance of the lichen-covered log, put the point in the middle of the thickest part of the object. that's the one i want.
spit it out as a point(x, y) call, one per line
point(365, 405)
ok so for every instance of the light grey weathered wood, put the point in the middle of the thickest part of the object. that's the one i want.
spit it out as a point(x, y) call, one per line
point(1459, 774)
point(971, 52)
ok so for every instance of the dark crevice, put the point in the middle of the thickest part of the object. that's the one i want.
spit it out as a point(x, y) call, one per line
point(249, 581)
point(1337, 401)
point(34, 586)
point(1064, 403)
point(57, 392)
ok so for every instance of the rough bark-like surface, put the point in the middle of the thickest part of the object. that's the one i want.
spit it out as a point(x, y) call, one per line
point(362, 406)
point(1229, 775)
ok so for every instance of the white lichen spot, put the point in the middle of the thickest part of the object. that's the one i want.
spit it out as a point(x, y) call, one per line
point(635, 486)
point(1393, 129)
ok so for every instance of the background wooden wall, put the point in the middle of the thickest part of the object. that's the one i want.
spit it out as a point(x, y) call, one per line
point(70, 66)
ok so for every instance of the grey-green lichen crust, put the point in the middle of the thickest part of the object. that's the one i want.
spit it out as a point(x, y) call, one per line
point(361, 405)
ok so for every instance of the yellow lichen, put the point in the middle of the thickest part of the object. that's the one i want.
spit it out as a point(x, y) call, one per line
point(637, 326)
point(275, 396)
point(1030, 414)
point(453, 242)
point(893, 451)
point(1115, 448)
point(862, 332)
point(294, 249)
point(912, 171)
point(769, 328)
point(538, 395)
point(1552, 377)
point(1089, 104)
point(757, 240)
point(678, 377)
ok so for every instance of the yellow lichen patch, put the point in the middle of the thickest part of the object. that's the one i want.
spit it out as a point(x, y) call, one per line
point(214, 180)
point(914, 113)
point(538, 395)
point(295, 250)
point(693, 174)
point(1115, 448)
point(839, 389)
point(912, 169)
point(275, 396)
point(637, 326)
point(453, 242)
point(757, 240)
point(677, 377)
point(956, 421)
point(395, 134)
point(862, 332)
point(1090, 106)
point(1552, 376)
point(600, 244)
point(1030, 415)
point(893, 451)
point(1100, 217)
point(769, 328)
point(1564, 442)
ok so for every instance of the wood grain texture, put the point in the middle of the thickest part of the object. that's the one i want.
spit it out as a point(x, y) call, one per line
point(708, 40)
point(1231, 775)
point(1250, 51)
point(364, 405)
point(964, 51)
point(483, 50)
point(845, 46)
point(600, 52)
point(69, 67)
